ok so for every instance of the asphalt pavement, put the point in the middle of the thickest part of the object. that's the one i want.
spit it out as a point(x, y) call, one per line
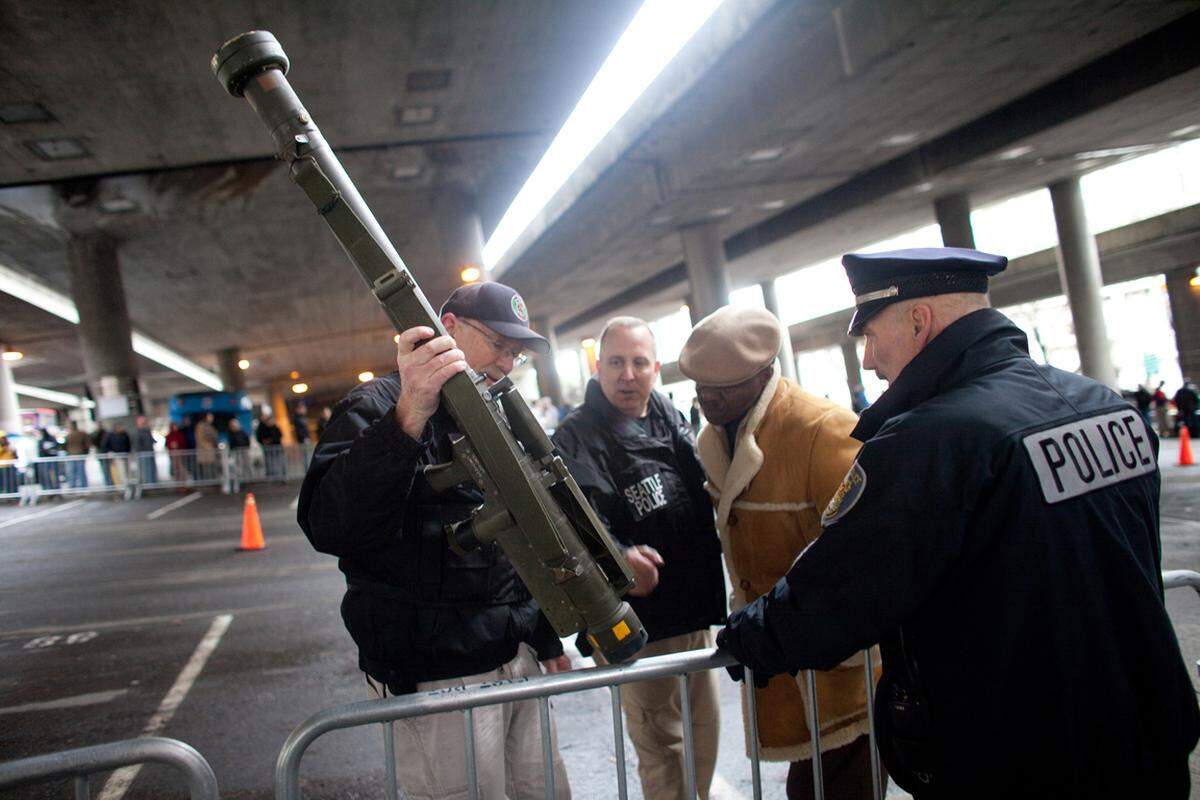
point(121, 619)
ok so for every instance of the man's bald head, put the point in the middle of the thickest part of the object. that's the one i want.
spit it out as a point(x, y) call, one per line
point(896, 334)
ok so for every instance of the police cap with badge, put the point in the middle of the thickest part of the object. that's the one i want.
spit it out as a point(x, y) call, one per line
point(880, 279)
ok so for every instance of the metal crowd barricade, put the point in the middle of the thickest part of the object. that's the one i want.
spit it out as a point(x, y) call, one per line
point(541, 688)
point(62, 476)
point(182, 469)
point(79, 764)
point(269, 464)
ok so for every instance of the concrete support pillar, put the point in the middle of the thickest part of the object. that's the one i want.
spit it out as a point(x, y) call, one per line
point(1185, 319)
point(104, 332)
point(10, 412)
point(853, 365)
point(548, 382)
point(787, 358)
point(953, 213)
point(1079, 272)
point(229, 371)
point(459, 231)
point(705, 256)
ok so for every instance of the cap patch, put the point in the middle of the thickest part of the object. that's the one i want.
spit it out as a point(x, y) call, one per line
point(847, 494)
point(518, 307)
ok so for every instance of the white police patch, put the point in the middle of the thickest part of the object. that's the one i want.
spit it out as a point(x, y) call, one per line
point(646, 496)
point(1089, 454)
point(847, 494)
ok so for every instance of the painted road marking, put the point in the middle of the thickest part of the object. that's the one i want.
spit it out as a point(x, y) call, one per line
point(169, 507)
point(38, 514)
point(119, 782)
point(75, 701)
point(49, 641)
point(141, 622)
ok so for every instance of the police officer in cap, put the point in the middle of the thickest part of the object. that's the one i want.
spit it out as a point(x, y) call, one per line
point(998, 536)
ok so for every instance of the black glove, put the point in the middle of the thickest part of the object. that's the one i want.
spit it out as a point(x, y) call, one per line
point(737, 671)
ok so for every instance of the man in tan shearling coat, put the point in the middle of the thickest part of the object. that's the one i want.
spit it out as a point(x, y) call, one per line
point(775, 455)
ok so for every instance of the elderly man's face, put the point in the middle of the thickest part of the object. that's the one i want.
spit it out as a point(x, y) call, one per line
point(724, 404)
point(486, 351)
point(628, 369)
point(892, 339)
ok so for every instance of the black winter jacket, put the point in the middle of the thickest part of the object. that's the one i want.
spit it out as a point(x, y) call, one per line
point(998, 535)
point(646, 484)
point(417, 611)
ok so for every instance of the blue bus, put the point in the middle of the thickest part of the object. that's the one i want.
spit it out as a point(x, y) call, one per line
point(224, 406)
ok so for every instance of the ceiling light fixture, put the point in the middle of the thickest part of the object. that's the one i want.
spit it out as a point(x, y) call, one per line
point(58, 149)
point(396, 338)
point(243, 364)
point(406, 172)
point(771, 205)
point(299, 388)
point(418, 115)
point(900, 139)
point(1113, 152)
point(658, 31)
point(33, 292)
point(54, 396)
point(588, 343)
point(725, 211)
point(293, 374)
point(366, 375)
point(12, 355)
point(470, 274)
point(1014, 152)
point(765, 154)
point(1186, 131)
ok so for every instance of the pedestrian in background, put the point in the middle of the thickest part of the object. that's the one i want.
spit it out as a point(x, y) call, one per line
point(270, 437)
point(207, 442)
point(47, 468)
point(10, 479)
point(176, 447)
point(1162, 417)
point(103, 454)
point(77, 446)
point(632, 453)
point(143, 445)
point(118, 445)
point(239, 448)
point(1186, 400)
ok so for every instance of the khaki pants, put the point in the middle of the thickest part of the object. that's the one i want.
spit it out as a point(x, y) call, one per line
point(654, 717)
point(431, 761)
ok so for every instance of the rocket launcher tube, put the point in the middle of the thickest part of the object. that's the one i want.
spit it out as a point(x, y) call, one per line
point(554, 540)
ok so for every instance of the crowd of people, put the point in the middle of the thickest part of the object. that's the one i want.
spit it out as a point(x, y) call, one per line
point(1168, 415)
point(987, 522)
point(193, 450)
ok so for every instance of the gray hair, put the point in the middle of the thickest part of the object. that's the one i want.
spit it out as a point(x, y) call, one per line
point(630, 323)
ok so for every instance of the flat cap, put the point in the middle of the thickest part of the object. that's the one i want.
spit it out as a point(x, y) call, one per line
point(730, 345)
point(880, 279)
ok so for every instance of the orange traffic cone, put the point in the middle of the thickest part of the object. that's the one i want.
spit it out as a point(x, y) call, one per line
point(252, 537)
point(1185, 447)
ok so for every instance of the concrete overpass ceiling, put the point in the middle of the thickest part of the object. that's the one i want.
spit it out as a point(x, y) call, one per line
point(819, 94)
point(219, 249)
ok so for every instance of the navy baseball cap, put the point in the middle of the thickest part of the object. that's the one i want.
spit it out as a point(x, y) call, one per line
point(880, 279)
point(500, 308)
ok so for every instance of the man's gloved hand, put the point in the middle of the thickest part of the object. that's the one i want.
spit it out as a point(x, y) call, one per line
point(726, 640)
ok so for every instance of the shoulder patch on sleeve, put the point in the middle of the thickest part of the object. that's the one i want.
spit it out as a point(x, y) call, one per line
point(847, 494)
point(1089, 454)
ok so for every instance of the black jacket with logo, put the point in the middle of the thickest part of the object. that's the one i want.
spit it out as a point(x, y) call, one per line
point(998, 536)
point(644, 480)
point(416, 610)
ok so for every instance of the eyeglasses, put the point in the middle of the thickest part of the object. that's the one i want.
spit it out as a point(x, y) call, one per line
point(518, 355)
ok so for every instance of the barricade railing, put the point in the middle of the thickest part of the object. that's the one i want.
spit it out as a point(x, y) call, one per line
point(542, 688)
point(129, 474)
point(85, 761)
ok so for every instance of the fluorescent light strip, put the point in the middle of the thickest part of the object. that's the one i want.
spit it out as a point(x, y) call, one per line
point(31, 291)
point(657, 33)
point(63, 398)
